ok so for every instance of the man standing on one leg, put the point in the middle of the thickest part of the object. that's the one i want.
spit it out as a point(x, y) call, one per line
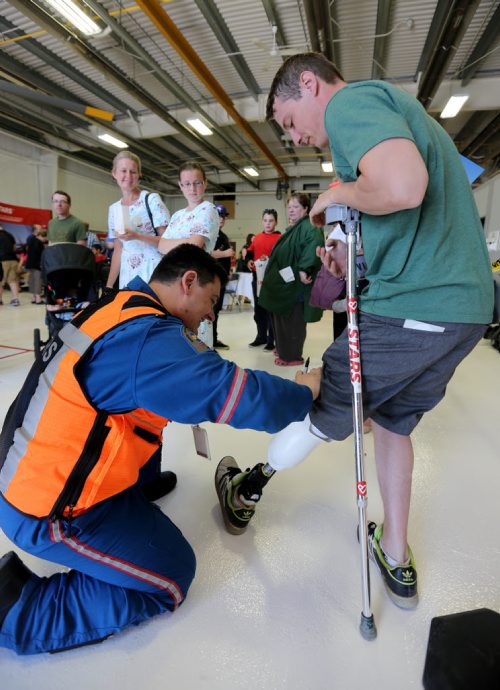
point(261, 247)
point(429, 291)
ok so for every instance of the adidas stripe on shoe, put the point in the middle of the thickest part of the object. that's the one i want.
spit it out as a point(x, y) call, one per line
point(401, 580)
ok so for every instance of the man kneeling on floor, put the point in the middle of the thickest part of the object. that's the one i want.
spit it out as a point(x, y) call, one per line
point(80, 455)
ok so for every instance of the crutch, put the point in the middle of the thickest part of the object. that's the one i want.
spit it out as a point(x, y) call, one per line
point(339, 213)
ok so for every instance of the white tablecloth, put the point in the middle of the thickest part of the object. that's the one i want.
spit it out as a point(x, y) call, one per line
point(241, 288)
point(244, 286)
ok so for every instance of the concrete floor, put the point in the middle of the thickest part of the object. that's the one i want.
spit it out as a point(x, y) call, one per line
point(278, 607)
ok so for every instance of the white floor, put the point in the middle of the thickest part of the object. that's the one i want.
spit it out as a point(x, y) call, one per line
point(278, 607)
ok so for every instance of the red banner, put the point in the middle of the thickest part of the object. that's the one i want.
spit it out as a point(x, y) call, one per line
point(22, 215)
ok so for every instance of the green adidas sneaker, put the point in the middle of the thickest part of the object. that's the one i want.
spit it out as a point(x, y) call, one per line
point(401, 580)
point(228, 477)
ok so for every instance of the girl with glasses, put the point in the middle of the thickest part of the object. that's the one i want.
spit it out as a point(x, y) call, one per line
point(197, 223)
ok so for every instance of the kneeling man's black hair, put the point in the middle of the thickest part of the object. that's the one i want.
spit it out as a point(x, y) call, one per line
point(188, 257)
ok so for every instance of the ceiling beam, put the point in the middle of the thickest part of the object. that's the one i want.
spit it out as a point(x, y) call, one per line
point(216, 22)
point(50, 58)
point(274, 20)
point(438, 22)
point(452, 31)
point(322, 13)
point(475, 124)
point(84, 147)
point(12, 67)
point(169, 30)
point(486, 41)
point(384, 11)
point(312, 25)
point(55, 101)
point(488, 132)
point(85, 50)
point(336, 44)
point(159, 74)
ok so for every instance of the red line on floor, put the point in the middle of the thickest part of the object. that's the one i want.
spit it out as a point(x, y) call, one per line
point(20, 351)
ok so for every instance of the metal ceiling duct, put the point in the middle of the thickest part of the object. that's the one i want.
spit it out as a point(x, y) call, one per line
point(450, 33)
point(54, 101)
point(482, 47)
point(85, 50)
point(488, 132)
point(312, 25)
point(162, 77)
point(382, 27)
point(169, 30)
point(51, 58)
point(216, 22)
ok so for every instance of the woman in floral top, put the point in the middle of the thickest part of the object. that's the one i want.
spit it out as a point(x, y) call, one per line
point(135, 238)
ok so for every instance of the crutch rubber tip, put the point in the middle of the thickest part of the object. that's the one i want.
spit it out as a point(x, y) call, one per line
point(367, 627)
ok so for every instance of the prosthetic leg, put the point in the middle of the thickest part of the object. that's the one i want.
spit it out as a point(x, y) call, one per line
point(350, 220)
point(239, 491)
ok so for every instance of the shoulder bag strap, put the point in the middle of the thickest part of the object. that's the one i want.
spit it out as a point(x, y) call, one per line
point(148, 209)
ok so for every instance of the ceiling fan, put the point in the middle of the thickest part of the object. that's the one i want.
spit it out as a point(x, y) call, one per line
point(275, 50)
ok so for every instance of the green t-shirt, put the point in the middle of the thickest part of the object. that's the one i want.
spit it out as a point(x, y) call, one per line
point(70, 229)
point(431, 262)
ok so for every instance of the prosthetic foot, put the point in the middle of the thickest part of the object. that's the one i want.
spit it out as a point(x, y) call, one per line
point(239, 492)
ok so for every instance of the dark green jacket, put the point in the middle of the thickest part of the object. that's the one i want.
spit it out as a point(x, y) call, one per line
point(295, 248)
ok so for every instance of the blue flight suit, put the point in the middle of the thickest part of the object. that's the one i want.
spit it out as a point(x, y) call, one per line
point(127, 560)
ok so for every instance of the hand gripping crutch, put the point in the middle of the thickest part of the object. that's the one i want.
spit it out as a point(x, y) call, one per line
point(339, 213)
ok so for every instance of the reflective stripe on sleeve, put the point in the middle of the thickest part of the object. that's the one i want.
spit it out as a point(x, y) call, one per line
point(233, 398)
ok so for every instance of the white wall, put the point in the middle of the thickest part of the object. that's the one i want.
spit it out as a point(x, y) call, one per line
point(31, 174)
point(91, 191)
point(27, 173)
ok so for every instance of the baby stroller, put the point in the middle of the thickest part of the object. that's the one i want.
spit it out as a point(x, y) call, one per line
point(69, 276)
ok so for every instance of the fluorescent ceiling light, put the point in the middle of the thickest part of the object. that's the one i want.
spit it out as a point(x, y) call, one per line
point(327, 166)
point(200, 127)
point(453, 106)
point(113, 141)
point(75, 15)
point(251, 171)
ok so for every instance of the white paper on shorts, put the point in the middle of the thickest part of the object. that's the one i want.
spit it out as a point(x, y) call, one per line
point(260, 269)
point(287, 274)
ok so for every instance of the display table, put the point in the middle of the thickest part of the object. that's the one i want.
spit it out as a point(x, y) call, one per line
point(244, 286)
point(237, 290)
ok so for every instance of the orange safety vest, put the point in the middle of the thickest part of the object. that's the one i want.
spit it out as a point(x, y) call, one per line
point(67, 455)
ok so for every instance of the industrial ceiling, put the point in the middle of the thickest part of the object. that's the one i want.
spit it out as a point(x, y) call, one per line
point(154, 64)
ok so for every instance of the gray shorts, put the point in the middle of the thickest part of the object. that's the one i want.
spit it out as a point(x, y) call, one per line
point(405, 371)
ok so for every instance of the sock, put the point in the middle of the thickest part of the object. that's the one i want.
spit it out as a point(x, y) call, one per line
point(240, 501)
point(391, 561)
